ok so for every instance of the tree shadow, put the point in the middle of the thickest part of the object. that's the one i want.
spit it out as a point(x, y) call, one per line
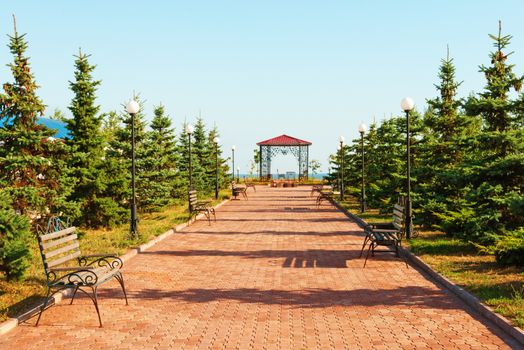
point(357, 234)
point(311, 258)
point(411, 296)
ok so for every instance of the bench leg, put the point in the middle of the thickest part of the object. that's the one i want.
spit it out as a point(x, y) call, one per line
point(367, 255)
point(120, 280)
point(74, 294)
point(364, 245)
point(42, 308)
point(95, 302)
point(214, 214)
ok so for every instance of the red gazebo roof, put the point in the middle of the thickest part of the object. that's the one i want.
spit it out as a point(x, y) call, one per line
point(284, 140)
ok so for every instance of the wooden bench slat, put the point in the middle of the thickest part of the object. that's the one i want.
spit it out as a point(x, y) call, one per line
point(63, 259)
point(398, 207)
point(57, 234)
point(398, 213)
point(73, 246)
point(59, 241)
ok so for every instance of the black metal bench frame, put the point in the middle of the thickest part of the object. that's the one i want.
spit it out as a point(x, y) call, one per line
point(239, 190)
point(200, 206)
point(387, 234)
point(324, 195)
point(58, 250)
point(250, 184)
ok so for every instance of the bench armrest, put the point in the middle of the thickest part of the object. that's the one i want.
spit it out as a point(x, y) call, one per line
point(380, 225)
point(77, 276)
point(71, 268)
point(106, 255)
point(111, 261)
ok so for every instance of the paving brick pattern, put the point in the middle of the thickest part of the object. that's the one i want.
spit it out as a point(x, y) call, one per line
point(274, 272)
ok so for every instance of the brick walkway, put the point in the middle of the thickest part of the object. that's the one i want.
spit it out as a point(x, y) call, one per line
point(266, 275)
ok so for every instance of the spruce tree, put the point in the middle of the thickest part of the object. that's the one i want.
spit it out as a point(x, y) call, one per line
point(441, 150)
point(203, 165)
point(223, 169)
point(183, 160)
point(34, 175)
point(159, 177)
point(87, 142)
point(496, 172)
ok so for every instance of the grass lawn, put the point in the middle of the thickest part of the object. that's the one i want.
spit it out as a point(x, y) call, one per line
point(502, 288)
point(17, 297)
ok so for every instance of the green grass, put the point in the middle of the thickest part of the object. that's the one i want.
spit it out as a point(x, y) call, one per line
point(17, 297)
point(502, 288)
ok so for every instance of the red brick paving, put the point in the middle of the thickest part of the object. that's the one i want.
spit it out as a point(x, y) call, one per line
point(265, 277)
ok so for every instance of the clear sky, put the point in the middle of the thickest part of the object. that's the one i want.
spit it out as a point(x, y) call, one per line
point(258, 69)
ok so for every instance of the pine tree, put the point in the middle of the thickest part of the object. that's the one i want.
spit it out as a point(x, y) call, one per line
point(87, 142)
point(203, 165)
point(441, 150)
point(113, 203)
point(159, 177)
point(183, 160)
point(223, 169)
point(34, 174)
point(496, 172)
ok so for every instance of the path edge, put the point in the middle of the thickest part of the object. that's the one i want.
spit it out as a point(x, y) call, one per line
point(13, 322)
point(472, 301)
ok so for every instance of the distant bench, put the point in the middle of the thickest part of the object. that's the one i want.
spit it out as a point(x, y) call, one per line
point(385, 234)
point(197, 206)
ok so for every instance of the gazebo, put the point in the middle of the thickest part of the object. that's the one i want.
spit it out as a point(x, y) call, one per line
point(283, 144)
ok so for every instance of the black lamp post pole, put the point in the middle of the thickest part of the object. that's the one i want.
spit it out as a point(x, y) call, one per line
point(341, 170)
point(216, 170)
point(238, 176)
point(233, 165)
point(409, 218)
point(190, 163)
point(363, 187)
point(134, 229)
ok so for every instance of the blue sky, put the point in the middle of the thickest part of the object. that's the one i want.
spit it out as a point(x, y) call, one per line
point(258, 69)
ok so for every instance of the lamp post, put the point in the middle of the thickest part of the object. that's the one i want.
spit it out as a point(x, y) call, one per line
point(233, 163)
point(362, 131)
point(341, 168)
point(132, 108)
point(238, 174)
point(189, 131)
point(216, 141)
point(407, 105)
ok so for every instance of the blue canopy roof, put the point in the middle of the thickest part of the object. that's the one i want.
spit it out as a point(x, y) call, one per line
point(59, 126)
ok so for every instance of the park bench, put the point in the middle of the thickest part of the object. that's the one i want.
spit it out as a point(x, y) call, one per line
point(316, 189)
point(238, 190)
point(200, 206)
point(250, 184)
point(66, 268)
point(324, 195)
point(387, 234)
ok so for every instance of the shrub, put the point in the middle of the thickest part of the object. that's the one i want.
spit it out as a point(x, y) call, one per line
point(509, 250)
point(14, 253)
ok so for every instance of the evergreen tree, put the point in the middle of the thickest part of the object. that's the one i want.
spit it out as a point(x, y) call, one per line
point(438, 188)
point(159, 178)
point(14, 234)
point(496, 172)
point(34, 174)
point(87, 142)
point(114, 200)
point(183, 160)
point(203, 165)
point(223, 169)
